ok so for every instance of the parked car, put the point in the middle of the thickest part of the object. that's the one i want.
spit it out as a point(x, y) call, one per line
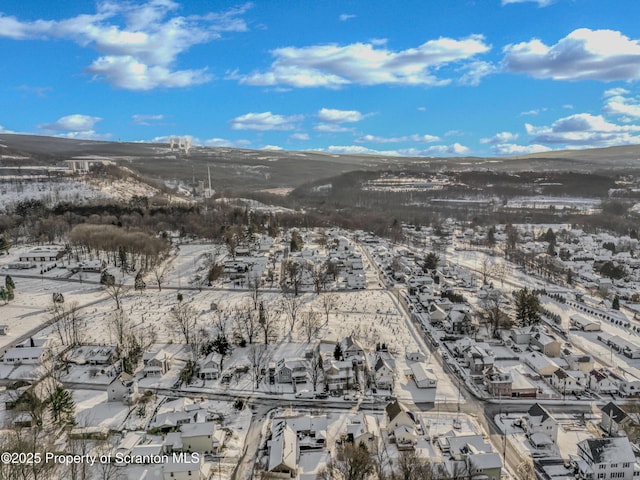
point(305, 394)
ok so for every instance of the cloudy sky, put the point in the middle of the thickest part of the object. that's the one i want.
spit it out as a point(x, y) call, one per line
point(417, 77)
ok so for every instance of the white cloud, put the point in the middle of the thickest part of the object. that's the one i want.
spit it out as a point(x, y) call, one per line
point(436, 150)
point(127, 73)
point(331, 128)
point(618, 103)
point(541, 3)
point(4, 130)
point(299, 136)
point(404, 138)
point(85, 135)
point(332, 115)
point(476, 71)
point(146, 120)
point(138, 43)
point(500, 138)
point(75, 122)
point(535, 111)
point(222, 142)
point(346, 16)
point(334, 66)
point(265, 121)
point(584, 54)
point(584, 130)
point(513, 149)
point(275, 148)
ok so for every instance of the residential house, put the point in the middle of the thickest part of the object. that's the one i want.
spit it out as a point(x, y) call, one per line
point(94, 355)
point(25, 355)
point(583, 363)
point(384, 370)
point(201, 437)
point(187, 470)
point(124, 388)
point(338, 374)
point(416, 356)
point(568, 381)
point(353, 349)
point(546, 344)
point(606, 458)
point(583, 323)
point(601, 383)
point(398, 414)
point(541, 364)
point(498, 382)
point(157, 363)
point(283, 450)
point(291, 371)
point(540, 421)
point(423, 377)
point(363, 429)
point(210, 366)
point(615, 420)
point(43, 255)
point(478, 359)
point(472, 455)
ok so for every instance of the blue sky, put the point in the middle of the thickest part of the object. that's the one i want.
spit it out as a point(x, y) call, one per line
point(417, 77)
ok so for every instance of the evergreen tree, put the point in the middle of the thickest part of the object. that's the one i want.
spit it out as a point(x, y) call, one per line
point(616, 303)
point(8, 281)
point(139, 283)
point(61, 406)
point(3, 295)
point(527, 307)
point(4, 245)
point(430, 261)
point(337, 352)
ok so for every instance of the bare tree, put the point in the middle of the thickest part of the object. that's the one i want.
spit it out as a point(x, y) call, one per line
point(255, 285)
point(116, 291)
point(246, 321)
point(290, 304)
point(413, 467)
point(292, 275)
point(492, 314)
point(320, 278)
point(69, 325)
point(526, 470)
point(314, 367)
point(184, 320)
point(119, 326)
point(351, 462)
point(328, 301)
point(487, 268)
point(310, 324)
point(268, 322)
point(160, 273)
point(258, 359)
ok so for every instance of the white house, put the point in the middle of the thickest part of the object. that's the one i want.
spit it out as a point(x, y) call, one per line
point(605, 458)
point(210, 366)
point(124, 388)
point(157, 363)
point(384, 370)
point(201, 437)
point(398, 414)
point(363, 429)
point(423, 377)
point(283, 450)
point(25, 355)
point(567, 382)
point(540, 421)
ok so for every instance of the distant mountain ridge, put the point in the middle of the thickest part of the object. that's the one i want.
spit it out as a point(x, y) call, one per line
point(236, 168)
